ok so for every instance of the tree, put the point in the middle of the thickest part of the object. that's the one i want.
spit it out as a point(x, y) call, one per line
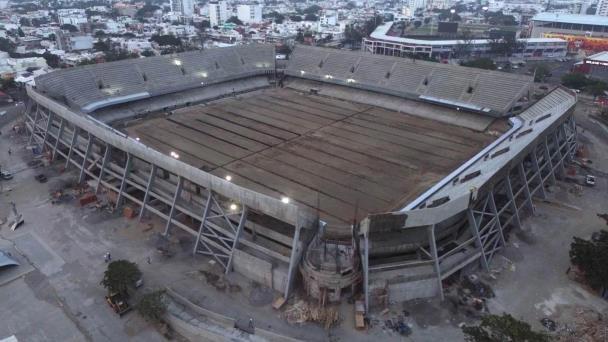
point(505, 328)
point(120, 276)
point(591, 257)
point(295, 18)
point(541, 72)
point(574, 80)
point(152, 306)
point(300, 36)
point(311, 17)
point(146, 11)
point(314, 9)
point(52, 60)
point(166, 40)
point(147, 53)
point(481, 63)
point(20, 32)
point(465, 44)
point(69, 27)
point(597, 87)
point(235, 21)
point(103, 45)
point(6, 45)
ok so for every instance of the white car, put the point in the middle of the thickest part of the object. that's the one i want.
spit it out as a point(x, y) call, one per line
point(590, 180)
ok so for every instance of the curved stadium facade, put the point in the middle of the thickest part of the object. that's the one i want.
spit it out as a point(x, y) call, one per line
point(337, 171)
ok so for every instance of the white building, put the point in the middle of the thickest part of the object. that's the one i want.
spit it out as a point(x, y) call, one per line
point(328, 19)
point(416, 4)
point(218, 13)
point(249, 14)
point(184, 7)
point(602, 8)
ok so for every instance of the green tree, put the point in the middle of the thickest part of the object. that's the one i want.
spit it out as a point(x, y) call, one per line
point(597, 87)
point(505, 328)
point(6, 45)
point(481, 63)
point(147, 53)
point(314, 9)
point(120, 276)
point(541, 72)
point(52, 60)
point(166, 40)
point(591, 257)
point(103, 45)
point(69, 27)
point(235, 21)
point(311, 17)
point(574, 80)
point(295, 18)
point(152, 306)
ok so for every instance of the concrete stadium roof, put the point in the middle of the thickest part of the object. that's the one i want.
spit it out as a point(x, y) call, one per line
point(572, 18)
point(381, 33)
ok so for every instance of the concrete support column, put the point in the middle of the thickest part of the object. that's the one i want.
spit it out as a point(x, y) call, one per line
point(201, 228)
point(178, 192)
point(49, 122)
point(497, 222)
point(474, 227)
point(59, 133)
point(75, 133)
point(85, 158)
point(560, 156)
point(549, 160)
point(511, 197)
point(526, 186)
point(293, 261)
point(104, 163)
point(237, 235)
point(147, 193)
point(123, 183)
point(34, 124)
point(539, 174)
point(366, 270)
point(435, 256)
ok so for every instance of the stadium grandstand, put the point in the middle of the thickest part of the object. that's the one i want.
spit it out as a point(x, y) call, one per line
point(338, 173)
point(385, 40)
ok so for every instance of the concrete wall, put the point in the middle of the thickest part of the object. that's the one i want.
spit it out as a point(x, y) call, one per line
point(254, 268)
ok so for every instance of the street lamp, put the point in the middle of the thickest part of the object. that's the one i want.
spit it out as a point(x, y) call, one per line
point(452, 11)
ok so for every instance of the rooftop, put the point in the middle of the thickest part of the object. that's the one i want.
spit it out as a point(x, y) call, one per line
point(572, 18)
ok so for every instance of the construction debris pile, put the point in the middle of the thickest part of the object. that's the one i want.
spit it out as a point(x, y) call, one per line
point(470, 295)
point(588, 326)
point(302, 312)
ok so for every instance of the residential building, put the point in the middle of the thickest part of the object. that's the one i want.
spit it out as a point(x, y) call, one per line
point(249, 14)
point(218, 13)
point(184, 7)
point(602, 8)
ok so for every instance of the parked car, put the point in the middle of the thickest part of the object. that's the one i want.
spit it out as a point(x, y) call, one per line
point(590, 180)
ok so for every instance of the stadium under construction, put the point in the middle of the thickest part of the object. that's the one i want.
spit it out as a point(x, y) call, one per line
point(333, 172)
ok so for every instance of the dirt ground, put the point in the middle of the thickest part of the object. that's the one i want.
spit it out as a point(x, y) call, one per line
point(57, 296)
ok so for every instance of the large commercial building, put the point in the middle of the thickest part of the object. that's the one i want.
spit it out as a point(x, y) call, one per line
point(337, 173)
point(385, 42)
point(582, 32)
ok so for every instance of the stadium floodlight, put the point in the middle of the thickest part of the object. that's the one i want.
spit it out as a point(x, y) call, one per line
point(302, 72)
point(233, 207)
point(228, 178)
point(329, 77)
point(203, 74)
point(177, 62)
point(285, 199)
point(174, 155)
point(350, 80)
point(137, 138)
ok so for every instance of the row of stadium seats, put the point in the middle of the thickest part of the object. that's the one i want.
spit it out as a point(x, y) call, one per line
point(89, 87)
point(490, 90)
